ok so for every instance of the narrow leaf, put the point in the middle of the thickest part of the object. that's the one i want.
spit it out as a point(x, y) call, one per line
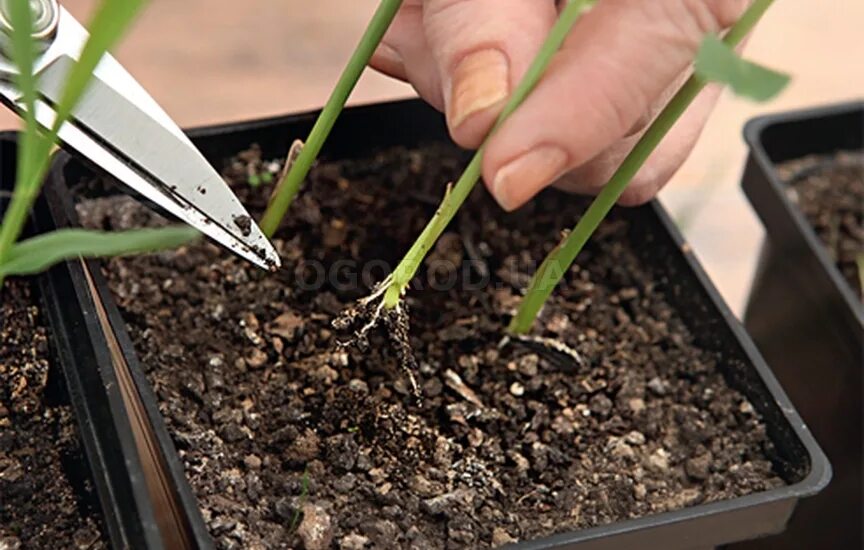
point(23, 54)
point(718, 62)
point(39, 253)
point(111, 19)
point(107, 26)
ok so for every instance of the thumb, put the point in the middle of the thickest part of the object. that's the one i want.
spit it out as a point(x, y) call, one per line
point(482, 48)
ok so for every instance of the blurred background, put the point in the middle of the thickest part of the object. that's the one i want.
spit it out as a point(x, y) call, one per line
point(209, 61)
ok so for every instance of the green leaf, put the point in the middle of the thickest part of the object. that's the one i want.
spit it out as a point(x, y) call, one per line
point(717, 62)
point(110, 21)
point(23, 54)
point(41, 252)
point(107, 26)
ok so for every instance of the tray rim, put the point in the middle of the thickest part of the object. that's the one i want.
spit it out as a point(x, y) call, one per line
point(754, 130)
point(820, 470)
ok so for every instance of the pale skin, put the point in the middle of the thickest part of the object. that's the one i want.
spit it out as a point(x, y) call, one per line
point(621, 63)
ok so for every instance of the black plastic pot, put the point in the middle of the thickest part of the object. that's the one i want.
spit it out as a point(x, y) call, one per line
point(797, 457)
point(84, 353)
point(806, 320)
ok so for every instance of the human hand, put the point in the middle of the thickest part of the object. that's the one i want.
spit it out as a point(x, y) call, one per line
point(620, 65)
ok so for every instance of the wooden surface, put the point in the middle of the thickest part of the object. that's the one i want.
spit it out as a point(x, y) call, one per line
point(211, 61)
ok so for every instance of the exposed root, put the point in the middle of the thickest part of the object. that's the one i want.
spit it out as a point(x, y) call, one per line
point(546, 345)
point(370, 311)
point(363, 309)
point(397, 325)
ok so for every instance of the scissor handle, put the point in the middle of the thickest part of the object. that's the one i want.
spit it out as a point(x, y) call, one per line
point(46, 16)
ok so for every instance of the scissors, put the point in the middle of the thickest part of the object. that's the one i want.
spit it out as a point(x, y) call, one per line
point(121, 128)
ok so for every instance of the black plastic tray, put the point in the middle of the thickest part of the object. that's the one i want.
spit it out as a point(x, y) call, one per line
point(798, 458)
point(79, 349)
point(804, 317)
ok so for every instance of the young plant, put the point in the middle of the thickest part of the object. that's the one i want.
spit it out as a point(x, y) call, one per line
point(36, 146)
point(716, 61)
point(384, 305)
point(397, 283)
point(296, 171)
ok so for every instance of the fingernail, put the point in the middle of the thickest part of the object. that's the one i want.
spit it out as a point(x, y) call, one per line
point(480, 80)
point(533, 170)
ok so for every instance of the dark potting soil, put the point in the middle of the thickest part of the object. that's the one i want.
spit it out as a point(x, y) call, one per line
point(289, 441)
point(829, 190)
point(45, 496)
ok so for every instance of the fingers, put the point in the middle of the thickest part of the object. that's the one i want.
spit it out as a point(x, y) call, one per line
point(481, 49)
point(590, 178)
point(672, 151)
point(405, 54)
point(615, 65)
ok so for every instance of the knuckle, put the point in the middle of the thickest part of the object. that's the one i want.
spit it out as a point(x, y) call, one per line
point(727, 12)
point(713, 15)
point(437, 9)
point(687, 21)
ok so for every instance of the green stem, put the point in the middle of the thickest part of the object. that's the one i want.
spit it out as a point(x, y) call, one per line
point(290, 184)
point(559, 260)
point(25, 188)
point(35, 145)
point(406, 269)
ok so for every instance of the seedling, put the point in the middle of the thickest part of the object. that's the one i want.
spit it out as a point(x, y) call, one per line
point(36, 146)
point(304, 494)
point(296, 172)
point(385, 303)
point(716, 61)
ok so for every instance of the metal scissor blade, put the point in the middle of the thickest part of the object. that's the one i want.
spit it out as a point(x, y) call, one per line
point(122, 129)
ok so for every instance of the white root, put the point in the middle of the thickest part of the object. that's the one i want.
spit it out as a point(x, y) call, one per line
point(394, 320)
point(548, 343)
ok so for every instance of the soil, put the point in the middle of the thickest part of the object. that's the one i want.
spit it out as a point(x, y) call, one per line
point(46, 500)
point(829, 190)
point(290, 440)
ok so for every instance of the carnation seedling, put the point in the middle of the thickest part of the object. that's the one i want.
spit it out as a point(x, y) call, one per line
point(716, 61)
point(298, 168)
point(385, 303)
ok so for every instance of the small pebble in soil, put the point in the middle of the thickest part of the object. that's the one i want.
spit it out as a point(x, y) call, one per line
point(316, 528)
point(252, 462)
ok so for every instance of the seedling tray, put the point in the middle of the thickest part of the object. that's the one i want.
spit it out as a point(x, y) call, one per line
point(78, 346)
point(806, 320)
point(797, 457)
point(88, 356)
